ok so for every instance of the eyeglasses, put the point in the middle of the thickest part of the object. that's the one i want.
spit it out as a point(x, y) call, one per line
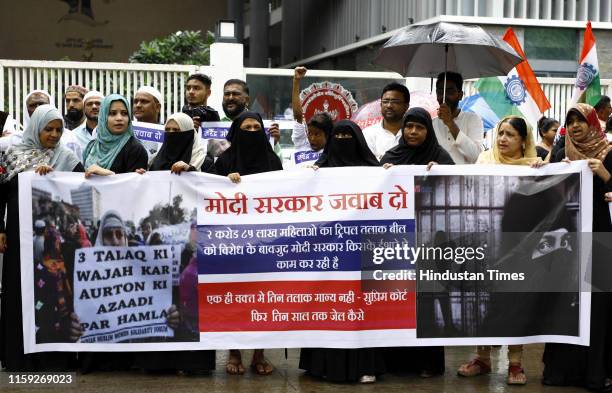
point(391, 102)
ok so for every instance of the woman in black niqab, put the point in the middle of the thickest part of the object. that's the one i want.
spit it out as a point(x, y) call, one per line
point(250, 152)
point(427, 361)
point(346, 147)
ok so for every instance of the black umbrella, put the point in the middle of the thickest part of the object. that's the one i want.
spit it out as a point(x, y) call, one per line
point(428, 50)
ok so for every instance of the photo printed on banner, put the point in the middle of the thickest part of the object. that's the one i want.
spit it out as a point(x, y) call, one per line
point(526, 228)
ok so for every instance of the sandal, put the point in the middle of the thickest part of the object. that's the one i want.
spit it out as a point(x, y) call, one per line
point(367, 379)
point(516, 375)
point(474, 368)
point(262, 367)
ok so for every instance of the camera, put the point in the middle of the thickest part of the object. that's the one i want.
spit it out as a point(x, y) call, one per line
point(205, 113)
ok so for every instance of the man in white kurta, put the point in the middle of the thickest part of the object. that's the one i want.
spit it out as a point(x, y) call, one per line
point(459, 133)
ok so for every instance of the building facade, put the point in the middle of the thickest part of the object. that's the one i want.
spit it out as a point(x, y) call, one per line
point(97, 30)
point(87, 199)
point(347, 34)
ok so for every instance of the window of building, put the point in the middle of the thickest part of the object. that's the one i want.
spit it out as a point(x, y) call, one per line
point(550, 44)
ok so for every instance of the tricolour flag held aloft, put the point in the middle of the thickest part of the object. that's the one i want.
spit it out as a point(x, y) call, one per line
point(588, 87)
point(518, 93)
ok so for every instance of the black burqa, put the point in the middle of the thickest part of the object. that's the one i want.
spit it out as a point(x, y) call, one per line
point(424, 360)
point(177, 147)
point(344, 365)
point(576, 365)
point(428, 151)
point(250, 152)
point(341, 152)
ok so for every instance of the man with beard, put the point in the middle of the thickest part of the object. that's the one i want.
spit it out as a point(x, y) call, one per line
point(148, 105)
point(236, 100)
point(74, 106)
point(91, 107)
point(394, 102)
point(459, 133)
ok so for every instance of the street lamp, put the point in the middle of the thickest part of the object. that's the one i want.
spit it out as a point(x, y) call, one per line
point(226, 31)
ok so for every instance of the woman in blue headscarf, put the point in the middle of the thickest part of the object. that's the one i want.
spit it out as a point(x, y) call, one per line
point(39, 151)
point(115, 149)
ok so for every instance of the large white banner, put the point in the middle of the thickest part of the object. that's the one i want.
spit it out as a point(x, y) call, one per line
point(340, 258)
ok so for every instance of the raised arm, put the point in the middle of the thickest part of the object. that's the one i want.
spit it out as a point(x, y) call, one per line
point(296, 104)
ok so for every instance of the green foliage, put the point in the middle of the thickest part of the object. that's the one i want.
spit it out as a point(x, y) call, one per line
point(182, 47)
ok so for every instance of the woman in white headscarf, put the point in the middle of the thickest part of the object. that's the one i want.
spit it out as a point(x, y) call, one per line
point(181, 150)
point(14, 135)
point(41, 152)
point(112, 231)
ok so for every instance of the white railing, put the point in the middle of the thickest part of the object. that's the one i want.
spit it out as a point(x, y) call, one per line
point(18, 77)
point(558, 91)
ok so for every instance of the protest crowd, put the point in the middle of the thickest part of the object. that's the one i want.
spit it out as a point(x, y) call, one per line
point(96, 137)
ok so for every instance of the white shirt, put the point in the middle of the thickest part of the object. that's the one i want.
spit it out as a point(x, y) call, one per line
point(299, 136)
point(10, 126)
point(83, 136)
point(380, 139)
point(468, 145)
point(10, 140)
point(303, 154)
point(70, 140)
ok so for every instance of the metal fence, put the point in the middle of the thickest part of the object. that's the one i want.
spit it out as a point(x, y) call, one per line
point(18, 77)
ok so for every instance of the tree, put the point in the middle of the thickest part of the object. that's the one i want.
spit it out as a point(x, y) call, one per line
point(182, 47)
point(166, 214)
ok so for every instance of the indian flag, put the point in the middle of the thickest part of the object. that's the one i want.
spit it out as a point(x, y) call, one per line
point(518, 93)
point(588, 87)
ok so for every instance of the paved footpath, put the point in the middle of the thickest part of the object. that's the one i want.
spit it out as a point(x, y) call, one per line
point(288, 378)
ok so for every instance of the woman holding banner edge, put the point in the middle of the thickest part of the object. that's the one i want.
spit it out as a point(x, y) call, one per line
point(576, 365)
point(40, 151)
